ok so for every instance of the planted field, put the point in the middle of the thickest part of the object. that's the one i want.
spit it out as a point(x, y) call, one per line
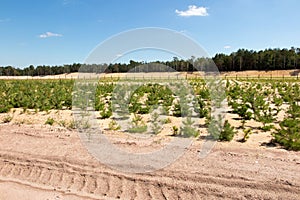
point(42, 157)
point(271, 105)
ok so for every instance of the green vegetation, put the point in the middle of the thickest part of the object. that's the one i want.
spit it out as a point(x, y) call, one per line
point(288, 134)
point(167, 121)
point(227, 133)
point(247, 133)
point(219, 131)
point(138, 125)
point(50, 121)
point(113, 125)
point(7, 118)
point(252, 100)
point(43, 95)
point(188, 130)
point(175, 130)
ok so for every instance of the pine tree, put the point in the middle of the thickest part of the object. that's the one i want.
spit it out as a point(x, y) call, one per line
point(187, 130)
point(288, 134)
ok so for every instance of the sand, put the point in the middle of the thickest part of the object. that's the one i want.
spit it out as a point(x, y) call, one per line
point(40, 161)
point(249, 74)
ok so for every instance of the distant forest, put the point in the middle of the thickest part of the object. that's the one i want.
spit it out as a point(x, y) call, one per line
point(241, 60)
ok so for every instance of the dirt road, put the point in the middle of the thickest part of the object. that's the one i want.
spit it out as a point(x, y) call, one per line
point(38, 162)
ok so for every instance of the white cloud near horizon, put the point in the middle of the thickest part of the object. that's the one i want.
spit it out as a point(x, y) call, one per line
point(50, 34)
point(227, 47)
point(193, 11)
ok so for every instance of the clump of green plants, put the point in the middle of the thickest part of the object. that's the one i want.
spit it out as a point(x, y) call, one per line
point(228, 132)
point(113, 125)
point(105, 113)
point(155, 124)
point(219, 131)
point(71, 124)
point(138, 125)
point(62, 123)
point(242, 109)
point(177, 110)
point(7, 118)
point(288, 134)
point(67, 124)
point(175, 130)
point(201, 108)
point(167, 121)
point(266, 118)
point(50, 121)
point(188, 130)
point(278, 102)
point(247, 133)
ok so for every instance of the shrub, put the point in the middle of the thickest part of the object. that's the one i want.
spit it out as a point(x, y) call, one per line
point(167, 121)
point(138, 126)
point(227, 133)
point(242, 110)
point(106, 113)
point(155, 125)
point(72, 124)
point(143, 110)
point(113, 125)
point(62, 123)
point(267, 127)
point(188, 130)
point(221, 132)
point(177, 110)
point(288, 134)
point(247, 133)
point(7, 119)
point(266, 118)
point(175, 130)
point(4, 108)
point(200, 108)
point(50, 121)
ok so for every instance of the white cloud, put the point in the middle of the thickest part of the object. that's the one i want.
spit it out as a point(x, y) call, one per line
point(119, 55)
point(193, 11)
point(49, 34)
point(227, 47)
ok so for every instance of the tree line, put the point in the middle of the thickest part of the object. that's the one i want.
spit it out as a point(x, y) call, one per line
point(269, 59)
point(241, 60)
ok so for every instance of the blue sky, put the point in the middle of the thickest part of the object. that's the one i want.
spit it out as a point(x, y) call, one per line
point(54, 32)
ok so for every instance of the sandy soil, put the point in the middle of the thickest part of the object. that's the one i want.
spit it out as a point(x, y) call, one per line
point(49, 162)
point(39, 161)
point(251, 73)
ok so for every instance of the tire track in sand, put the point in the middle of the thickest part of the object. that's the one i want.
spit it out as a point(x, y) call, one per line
point(101, 183)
